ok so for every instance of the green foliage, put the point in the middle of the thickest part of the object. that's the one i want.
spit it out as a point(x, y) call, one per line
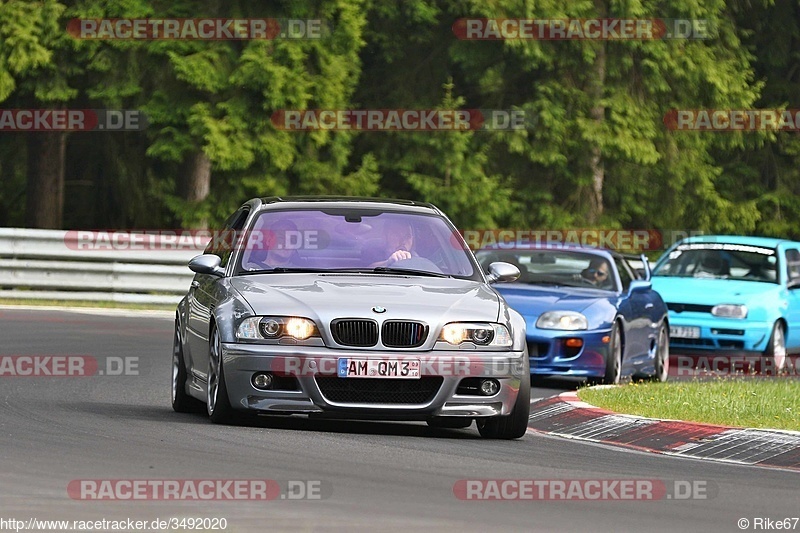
point(217, 97)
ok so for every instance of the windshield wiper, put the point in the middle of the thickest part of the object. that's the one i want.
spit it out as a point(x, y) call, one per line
point(390, 270)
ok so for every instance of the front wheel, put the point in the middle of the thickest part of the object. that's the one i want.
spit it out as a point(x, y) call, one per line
point(512, 426)
point(181, 402)
point(218, 404)
point(614, 357)
point(775, 354)
point(661, 362)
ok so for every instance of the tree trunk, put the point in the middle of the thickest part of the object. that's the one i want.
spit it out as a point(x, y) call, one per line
point(197, 183)
point(598, 112)
point(45, 189)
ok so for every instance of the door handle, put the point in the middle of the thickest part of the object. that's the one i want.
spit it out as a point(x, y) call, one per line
point(195, 284)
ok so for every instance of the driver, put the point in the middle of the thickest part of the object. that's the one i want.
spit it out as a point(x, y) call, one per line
point(597, 272)
point(398, 245)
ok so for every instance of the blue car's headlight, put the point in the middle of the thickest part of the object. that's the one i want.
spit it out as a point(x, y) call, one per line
point(729, 311)
point(276, 327)
point(563, 320)
point(478, 333)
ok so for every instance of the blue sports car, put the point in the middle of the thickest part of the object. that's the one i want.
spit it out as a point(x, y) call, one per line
point(588, 313)
point(733, 296)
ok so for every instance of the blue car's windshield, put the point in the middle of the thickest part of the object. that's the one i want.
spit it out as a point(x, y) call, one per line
point(555, 267)
point(313, 240)
point(721, 261)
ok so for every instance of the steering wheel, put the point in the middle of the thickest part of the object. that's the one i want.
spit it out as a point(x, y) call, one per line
point(417, 263)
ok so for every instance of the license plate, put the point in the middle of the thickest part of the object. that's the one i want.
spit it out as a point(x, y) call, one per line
point(378, 368)
point(684, 332)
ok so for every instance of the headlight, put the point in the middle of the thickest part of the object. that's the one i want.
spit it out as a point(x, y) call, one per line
point(564, 320)
point(479, 333)
point(729, 311)
point(275, 327)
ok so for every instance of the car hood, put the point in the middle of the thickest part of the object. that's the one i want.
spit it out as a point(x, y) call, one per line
point(710, 291)
point(533, 300)
point(325, 297)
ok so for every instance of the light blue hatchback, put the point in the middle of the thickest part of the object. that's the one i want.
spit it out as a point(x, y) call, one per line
point(732, 295)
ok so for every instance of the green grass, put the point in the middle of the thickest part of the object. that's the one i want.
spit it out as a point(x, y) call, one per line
point(78, 303)
point(772, 403)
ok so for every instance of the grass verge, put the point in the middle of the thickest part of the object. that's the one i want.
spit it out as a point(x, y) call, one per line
point(78, 303)
point(745, 402)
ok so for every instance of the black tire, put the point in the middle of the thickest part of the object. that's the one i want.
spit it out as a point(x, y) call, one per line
point(614, 357)
point(775, 355)
point(218, 405)
point(661, 362)
point(512, 426)
point(181, 401)
point(449, 422)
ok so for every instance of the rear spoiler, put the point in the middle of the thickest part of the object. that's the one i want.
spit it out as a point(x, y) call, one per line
point(645, 271)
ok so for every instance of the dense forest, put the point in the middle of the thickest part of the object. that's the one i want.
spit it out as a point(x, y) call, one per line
point(598, 154)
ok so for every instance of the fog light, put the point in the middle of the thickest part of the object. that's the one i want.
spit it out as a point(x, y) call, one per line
point(573, 343)
point(262, 380)
point(489, 387)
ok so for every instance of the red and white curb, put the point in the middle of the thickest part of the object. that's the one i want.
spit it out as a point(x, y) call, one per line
point(567, 416)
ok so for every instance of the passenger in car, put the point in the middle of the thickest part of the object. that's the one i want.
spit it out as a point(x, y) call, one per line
point(273, 250)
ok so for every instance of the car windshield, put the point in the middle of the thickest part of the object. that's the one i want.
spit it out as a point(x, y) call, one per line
point(720, 261)
point(555, 267)
point(360, 241)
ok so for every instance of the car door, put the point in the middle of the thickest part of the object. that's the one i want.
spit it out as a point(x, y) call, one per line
point(203, 294)
point(638, 308)
point(792, 261)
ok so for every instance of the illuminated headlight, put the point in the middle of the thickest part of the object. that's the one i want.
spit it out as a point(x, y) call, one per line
point(563, 320)
point(729, 311)
point(479, 333)
point(276, 327)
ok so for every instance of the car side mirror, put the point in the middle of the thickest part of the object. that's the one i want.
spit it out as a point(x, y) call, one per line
point(502, 272)
point(207, 264)
point(639, 285)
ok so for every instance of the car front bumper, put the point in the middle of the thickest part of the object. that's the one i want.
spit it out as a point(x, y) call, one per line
point(307, 368)
point(726, 335)
point(550, 356)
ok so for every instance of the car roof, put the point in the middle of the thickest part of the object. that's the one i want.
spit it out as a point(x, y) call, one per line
point(511, 247)
point(766, 242)
point(356, 202)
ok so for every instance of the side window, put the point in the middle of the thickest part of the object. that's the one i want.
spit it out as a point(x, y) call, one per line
point(222, 242)
point(793, 264)
point(625, 274)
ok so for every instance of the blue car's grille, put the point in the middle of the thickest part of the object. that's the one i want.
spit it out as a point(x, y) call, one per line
point(693, 308)
point(403, 334)
point(369, 390)
point(692, 342)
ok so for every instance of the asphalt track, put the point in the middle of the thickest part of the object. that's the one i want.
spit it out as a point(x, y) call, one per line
point(376, 476)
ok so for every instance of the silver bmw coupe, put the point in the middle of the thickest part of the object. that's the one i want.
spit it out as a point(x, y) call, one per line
point(353, 308)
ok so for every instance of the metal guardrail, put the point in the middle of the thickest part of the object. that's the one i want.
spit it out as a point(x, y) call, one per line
point(43, 264)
